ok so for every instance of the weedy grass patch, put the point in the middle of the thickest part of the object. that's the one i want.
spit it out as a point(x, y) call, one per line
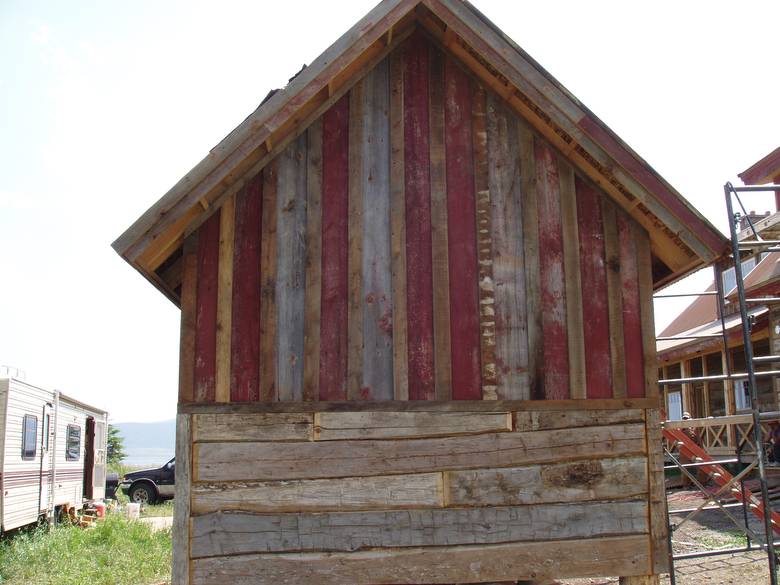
point(116, 551)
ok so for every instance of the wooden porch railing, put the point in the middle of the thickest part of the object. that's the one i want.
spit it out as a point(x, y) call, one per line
point(725, 434)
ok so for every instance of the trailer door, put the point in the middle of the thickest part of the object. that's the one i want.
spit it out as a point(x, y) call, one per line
point(99, 474)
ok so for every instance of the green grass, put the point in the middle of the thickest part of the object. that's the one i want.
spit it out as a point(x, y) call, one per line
point(162, 509)
point(115, 552)
point(724, 539)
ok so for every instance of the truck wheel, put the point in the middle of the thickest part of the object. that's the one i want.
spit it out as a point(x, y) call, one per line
point(142, 493)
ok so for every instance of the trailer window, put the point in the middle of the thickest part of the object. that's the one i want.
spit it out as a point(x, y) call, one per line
point(29, 436)
point(73, 443)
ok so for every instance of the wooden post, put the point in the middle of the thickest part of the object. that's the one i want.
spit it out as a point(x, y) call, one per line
point(181, 519)
point(728, 389)
point(687, 390)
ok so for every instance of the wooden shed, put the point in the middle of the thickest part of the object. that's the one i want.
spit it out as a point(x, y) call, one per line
point(417, 336)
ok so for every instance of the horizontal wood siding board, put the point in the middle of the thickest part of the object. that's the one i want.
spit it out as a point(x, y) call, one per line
point(552, 271)
point(562, 419)
point(598, 367)
point(461, 234)
point(245, 349)
point(626, 555)
point(377, 378)
point(332, 426)
point(235, 533)
point(291, 269)
point(206, 315)
point(335, 237)
point(272, 461)
point(249, 427)
point(429, 406)
point(632, 317)
point(417, 188)
point(590, 480)
point(385, 492)
point(508, 259)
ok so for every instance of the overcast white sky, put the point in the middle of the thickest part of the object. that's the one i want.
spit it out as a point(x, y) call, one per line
point(105, 105)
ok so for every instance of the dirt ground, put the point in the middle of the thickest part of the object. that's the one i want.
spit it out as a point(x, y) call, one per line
point(709, 530)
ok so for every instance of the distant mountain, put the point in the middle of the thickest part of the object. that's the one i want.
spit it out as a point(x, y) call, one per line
point(154, 435)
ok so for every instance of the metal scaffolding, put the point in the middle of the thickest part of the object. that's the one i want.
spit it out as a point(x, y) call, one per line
point(757, 244)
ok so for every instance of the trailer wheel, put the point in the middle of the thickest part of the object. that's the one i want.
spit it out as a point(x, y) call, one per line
point(143, 493)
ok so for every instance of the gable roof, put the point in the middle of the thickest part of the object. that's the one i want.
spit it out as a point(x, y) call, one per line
point(764, 171)
point(681, 238)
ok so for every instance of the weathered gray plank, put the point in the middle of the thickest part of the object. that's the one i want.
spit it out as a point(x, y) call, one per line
point(181, 501)
point(563, 419)
point(253, 427)
point(331, 426)
point(627, 555)
point(508, 255)
point(230, 533)
point(376, 261)
point(291, 269)
point(388, 492)
point(321, 459)
point(565, 482)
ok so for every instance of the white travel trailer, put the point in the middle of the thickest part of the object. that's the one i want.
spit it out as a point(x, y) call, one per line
point(52, 453)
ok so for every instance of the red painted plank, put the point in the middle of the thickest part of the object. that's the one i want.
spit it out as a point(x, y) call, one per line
point(206, 312)
point(593, 274)
point(335, 245)
point(245, 334)
point(462, 235)
point(417, 185)
point(555, 340)
point(632, 317)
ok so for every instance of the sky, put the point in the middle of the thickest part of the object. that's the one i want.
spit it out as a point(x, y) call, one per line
point(105, 105)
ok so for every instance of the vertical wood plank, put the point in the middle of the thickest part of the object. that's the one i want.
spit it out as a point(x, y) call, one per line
point(313, 293)
point(398, 227)
point(206, 320)
point(377, 383)
point(439, 232)
point(245, 322)
point(645, 277)
point(658, 519)
point(614, 298)
point(508, 257)
point(598, 363)
point(533, 291)
point(189, 289)
point(552, 270)
point(462, 235)
point(335, 246)
point(355, 227)
point(632, 318)
point(417, 187)
point(181, 518)
point(268, 389)
point(291, 270)
point(224, 300)
point(487, 312)
point(571, 263)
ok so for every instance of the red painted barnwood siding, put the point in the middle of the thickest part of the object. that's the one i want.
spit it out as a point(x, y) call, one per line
point(556, 350)
point(462, 235)
point(499, 215)
point(419, 284)
point(206, 312)
point(632, 318)
point(245, 356)
point(335, 244)
point(598, 369)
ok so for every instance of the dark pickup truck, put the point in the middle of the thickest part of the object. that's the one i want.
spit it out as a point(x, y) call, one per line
point(150, 485)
